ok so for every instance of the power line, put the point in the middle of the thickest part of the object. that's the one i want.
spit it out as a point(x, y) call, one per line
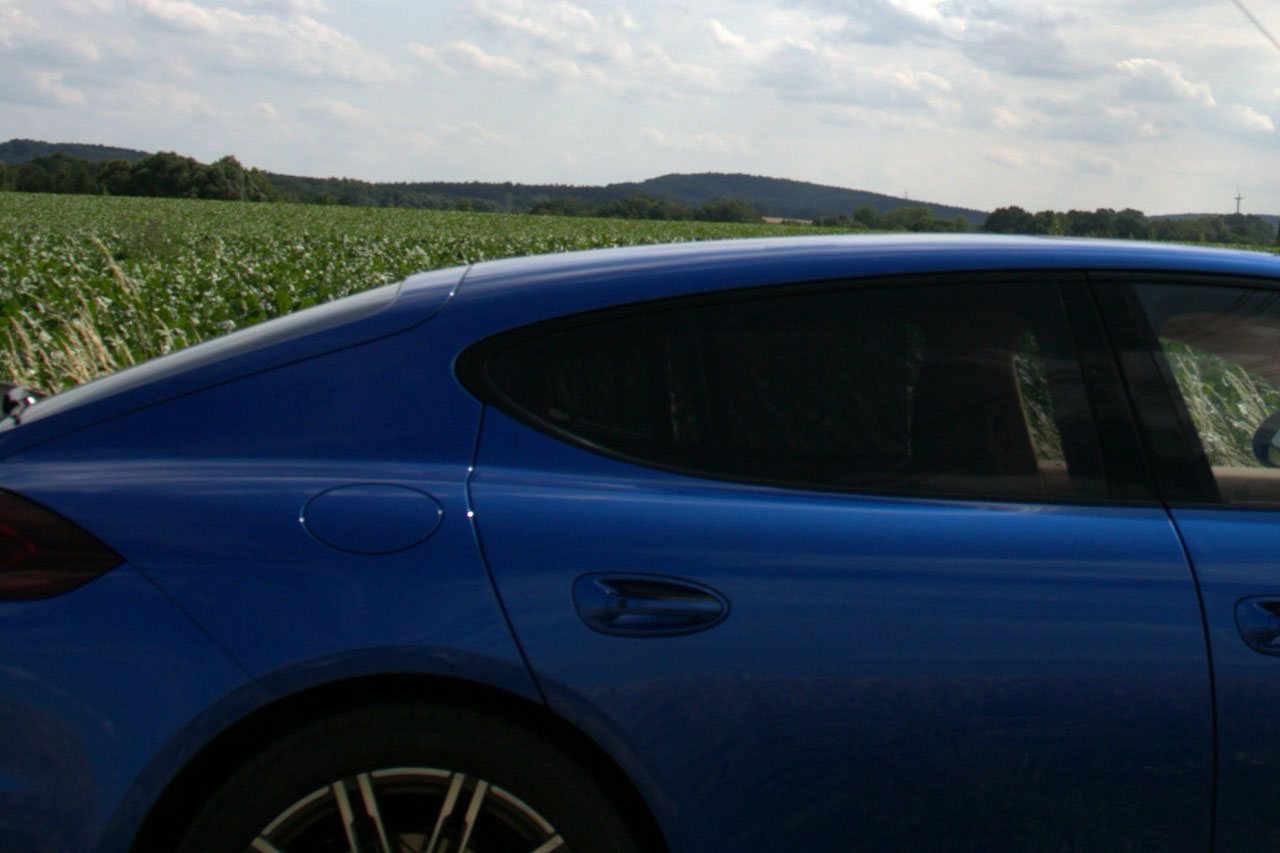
point(1261, 28)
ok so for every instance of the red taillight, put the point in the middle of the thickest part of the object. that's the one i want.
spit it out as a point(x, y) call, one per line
point(42, 554)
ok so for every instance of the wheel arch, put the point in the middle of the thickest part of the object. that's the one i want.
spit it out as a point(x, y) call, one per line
point(176, 807)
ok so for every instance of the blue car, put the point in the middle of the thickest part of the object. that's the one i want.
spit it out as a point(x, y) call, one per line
point(813, 544)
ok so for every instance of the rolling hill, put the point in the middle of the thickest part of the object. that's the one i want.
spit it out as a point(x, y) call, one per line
point(17, 151)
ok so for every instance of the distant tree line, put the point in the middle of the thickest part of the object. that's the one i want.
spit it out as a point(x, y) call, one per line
point(912, 217)
point(356, 193)
point(641, 206)
point(165, 174)
point(168, 174)
point(1130, 224)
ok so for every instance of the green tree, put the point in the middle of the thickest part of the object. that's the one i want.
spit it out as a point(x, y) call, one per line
point(728, 210)
point(1046, 222)
point(113, 176)
point(867, 217)
point(258, 187)
point(57, 173)
point(641, 206)
point(222, 179)
point(1132, 224)
point(1247, 228)
point(1083, 223)
point(31, 178)
point(166, 174)
point(1009, 220)
point(908, 218)
point(1179, 230)
point(71, 175)
point(567, 206)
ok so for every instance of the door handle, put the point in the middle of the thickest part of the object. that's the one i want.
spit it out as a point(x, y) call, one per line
point(637, 605)
point(1258, 620)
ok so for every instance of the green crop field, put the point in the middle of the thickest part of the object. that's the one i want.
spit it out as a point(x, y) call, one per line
point(90, 284)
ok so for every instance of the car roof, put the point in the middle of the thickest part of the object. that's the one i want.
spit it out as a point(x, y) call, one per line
point(521, 289)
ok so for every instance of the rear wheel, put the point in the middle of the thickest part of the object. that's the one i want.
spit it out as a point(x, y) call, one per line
point(411, 778)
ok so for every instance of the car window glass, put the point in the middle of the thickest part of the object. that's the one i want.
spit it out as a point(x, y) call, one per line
point(1222, 349)
point(938, 389)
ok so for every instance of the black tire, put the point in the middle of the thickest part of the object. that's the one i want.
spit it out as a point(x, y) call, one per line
point(407, 773)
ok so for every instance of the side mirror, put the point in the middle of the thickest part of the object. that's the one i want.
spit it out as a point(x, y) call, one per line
point(1266, 441)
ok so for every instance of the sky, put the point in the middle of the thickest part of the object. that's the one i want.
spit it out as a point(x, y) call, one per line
point(1163, 105)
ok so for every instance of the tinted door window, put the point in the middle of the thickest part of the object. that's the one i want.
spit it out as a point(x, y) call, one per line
point(1221, 346)
point(956, 389)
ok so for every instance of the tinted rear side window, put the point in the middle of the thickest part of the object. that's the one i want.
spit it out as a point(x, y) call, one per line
point(1221, 348)
point(954, 389)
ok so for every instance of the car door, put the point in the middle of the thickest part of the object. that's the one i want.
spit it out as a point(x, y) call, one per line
point(851, 566)
point(1204, 365)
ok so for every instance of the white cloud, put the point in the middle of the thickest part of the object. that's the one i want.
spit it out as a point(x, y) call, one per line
point(49, 84)
point(1008, 158)
point(189, 17)
point(168, 99)
point(885, 22)
point(337, 112)
point(888, 120)
point(706, 141)
point(560, 26)
point(1019, 38)
point(1154, 80)
point(571, 48)
point(657, 70)
point(312, 6)
point(1088, 118)
point(427, 55)
point(422, 143)
point(567, 69)
point(806, 72)
point(1003, 118)
point(265, 110)
point(465, 56)
point(14, 23)
point(813, 62)
point(723, 35)
point(471, 131)
point(83, 46)
point(1250, 119)
point(295, 46)
point(81, 7)
point(1095, 164)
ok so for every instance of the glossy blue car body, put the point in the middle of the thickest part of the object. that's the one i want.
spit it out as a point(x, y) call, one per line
point(321, 507)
